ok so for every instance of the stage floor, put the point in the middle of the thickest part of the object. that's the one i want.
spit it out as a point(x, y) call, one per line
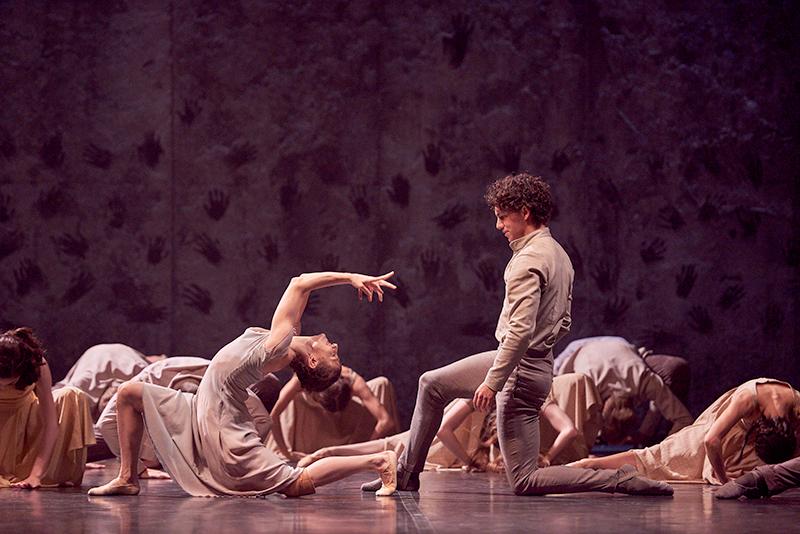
point(448, 502)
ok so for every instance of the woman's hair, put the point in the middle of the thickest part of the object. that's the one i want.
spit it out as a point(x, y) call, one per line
point(775, 439)
point(516, 191)
point(335, 397)
point(317, 378)
point(480, 459)
point(618, 417)
point(21, 354)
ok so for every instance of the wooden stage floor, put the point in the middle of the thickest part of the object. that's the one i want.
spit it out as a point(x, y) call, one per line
point(448, 502)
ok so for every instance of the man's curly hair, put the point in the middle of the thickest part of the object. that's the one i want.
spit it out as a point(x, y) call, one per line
point(516, 191)
point(21, 355)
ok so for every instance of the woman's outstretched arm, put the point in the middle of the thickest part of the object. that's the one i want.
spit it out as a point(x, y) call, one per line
point(293, 302)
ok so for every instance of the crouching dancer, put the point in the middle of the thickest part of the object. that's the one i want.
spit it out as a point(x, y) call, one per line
point(208, 442)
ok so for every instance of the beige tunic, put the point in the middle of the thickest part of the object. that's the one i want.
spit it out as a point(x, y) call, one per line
point(21, 432)
point(208, 442)
point(682, 456)
point(102, 367)
point(614, 366)
point(307, 426)
point(532, 319)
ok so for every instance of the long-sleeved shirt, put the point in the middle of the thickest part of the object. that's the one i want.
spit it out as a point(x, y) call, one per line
point(537, 303)
point(615, 366)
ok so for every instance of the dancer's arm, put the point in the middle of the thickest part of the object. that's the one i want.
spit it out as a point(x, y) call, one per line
point(523, 290)
point(451, 421)
point(562, 424)
point(47, 415)
point(293, 302)
point(384, 424)
point(740, 405)
point(287, 394)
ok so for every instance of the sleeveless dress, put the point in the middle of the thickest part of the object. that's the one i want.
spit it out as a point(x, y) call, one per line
point(682, 455)
point(208, 442)
point(21, 432)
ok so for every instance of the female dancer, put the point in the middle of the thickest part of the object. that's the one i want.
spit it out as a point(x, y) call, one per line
point(717, 446)
point(43, 435)
point(208, 442)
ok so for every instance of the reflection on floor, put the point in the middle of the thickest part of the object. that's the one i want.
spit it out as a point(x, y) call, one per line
point(448, 502)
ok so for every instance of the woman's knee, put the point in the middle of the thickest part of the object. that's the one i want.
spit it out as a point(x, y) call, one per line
point(130, 394)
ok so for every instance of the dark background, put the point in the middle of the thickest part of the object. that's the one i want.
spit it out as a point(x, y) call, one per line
point(166, 167)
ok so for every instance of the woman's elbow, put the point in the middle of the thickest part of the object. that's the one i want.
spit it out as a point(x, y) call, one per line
point(571, 433)
point(711, 442)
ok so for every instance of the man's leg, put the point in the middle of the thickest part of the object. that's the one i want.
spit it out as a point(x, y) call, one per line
point(763, 481)
point(518, 432)
point(436, 389)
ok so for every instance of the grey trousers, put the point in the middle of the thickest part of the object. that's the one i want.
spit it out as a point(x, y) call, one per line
point(776, 478)
point(517, 424)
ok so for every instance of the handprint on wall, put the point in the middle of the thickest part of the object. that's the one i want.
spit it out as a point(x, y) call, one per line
point(729, 300)
point(433, 159)
point(669, 217)
point(329, 262)
point(79, 286)
point(614, 310)
point(117, 212)
point(749, 220)
point(400, 190)
point(559, 161)
point(653, 251)
point(507, 158)
point(10, 242)
point(6, 209)
point(155, 250)
point(489, 274)
point(198, 298)
point(98, 157)
point(452, 216)
point(709, 209)
point(208, 248)
point(700, 320)
point(269, 248)
point(191, 109)
point(429, 260)
point(605, 276)
point(217, 204)
point(358, 198)
point(240, 154)
point(684, 281)
point(150, 150)
point(72, 245)
point(456, 43)
point(8, 149)
point(28, 276)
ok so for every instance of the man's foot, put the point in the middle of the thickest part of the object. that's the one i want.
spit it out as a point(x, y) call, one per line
point(388, 475)
point(631, 483)
point(115, 487)
point(406, 481)
point(746, 485)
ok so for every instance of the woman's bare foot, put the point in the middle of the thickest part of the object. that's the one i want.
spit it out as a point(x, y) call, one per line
point(388, 472)
point(94, 465)
point(116, 487)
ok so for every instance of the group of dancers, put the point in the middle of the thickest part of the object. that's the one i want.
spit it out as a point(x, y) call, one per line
point(225, 426)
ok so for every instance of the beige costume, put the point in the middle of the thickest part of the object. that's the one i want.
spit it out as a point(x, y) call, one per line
point(102, 367)
point(208, 442)
point(307, 426)
point(682, 455)
point(21, 432)
point(578, 397)
point(172, 373)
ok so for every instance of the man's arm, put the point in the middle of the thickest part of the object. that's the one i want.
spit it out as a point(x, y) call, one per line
point(524, 295)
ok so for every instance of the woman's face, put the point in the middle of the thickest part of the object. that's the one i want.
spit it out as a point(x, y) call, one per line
point(323, 350)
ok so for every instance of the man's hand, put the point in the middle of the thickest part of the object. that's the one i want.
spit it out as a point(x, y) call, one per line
point(484, 398)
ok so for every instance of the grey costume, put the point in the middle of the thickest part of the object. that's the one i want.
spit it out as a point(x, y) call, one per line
point(535, 315)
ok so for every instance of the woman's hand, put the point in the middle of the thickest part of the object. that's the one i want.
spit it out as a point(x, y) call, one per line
point(369, 285)
point(30, 483)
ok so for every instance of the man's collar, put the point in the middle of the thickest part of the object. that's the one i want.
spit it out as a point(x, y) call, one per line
point(519, 243)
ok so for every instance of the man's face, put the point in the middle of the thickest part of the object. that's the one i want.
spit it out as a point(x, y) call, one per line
point(512, 223)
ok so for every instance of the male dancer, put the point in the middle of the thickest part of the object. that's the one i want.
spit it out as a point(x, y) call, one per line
point(535, 314)
point(763, 481)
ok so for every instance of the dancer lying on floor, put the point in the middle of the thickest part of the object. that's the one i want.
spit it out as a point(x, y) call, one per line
point(718, 446)
point(351, 410)
point(467, 438)
point(43, 435)
point(208, 442)
point(181, 373)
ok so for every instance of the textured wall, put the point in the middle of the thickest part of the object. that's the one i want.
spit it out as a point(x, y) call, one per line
point(166, 167)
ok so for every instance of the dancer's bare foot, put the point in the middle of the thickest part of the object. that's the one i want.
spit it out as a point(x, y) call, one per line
point(154, 474)
point(94, 465)
point(116, 487)
point(388, 472)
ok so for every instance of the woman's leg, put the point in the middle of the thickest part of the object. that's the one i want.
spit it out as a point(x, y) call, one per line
point(330, 470)
point(131, 427)
point(394, 443)
point(613, 461)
